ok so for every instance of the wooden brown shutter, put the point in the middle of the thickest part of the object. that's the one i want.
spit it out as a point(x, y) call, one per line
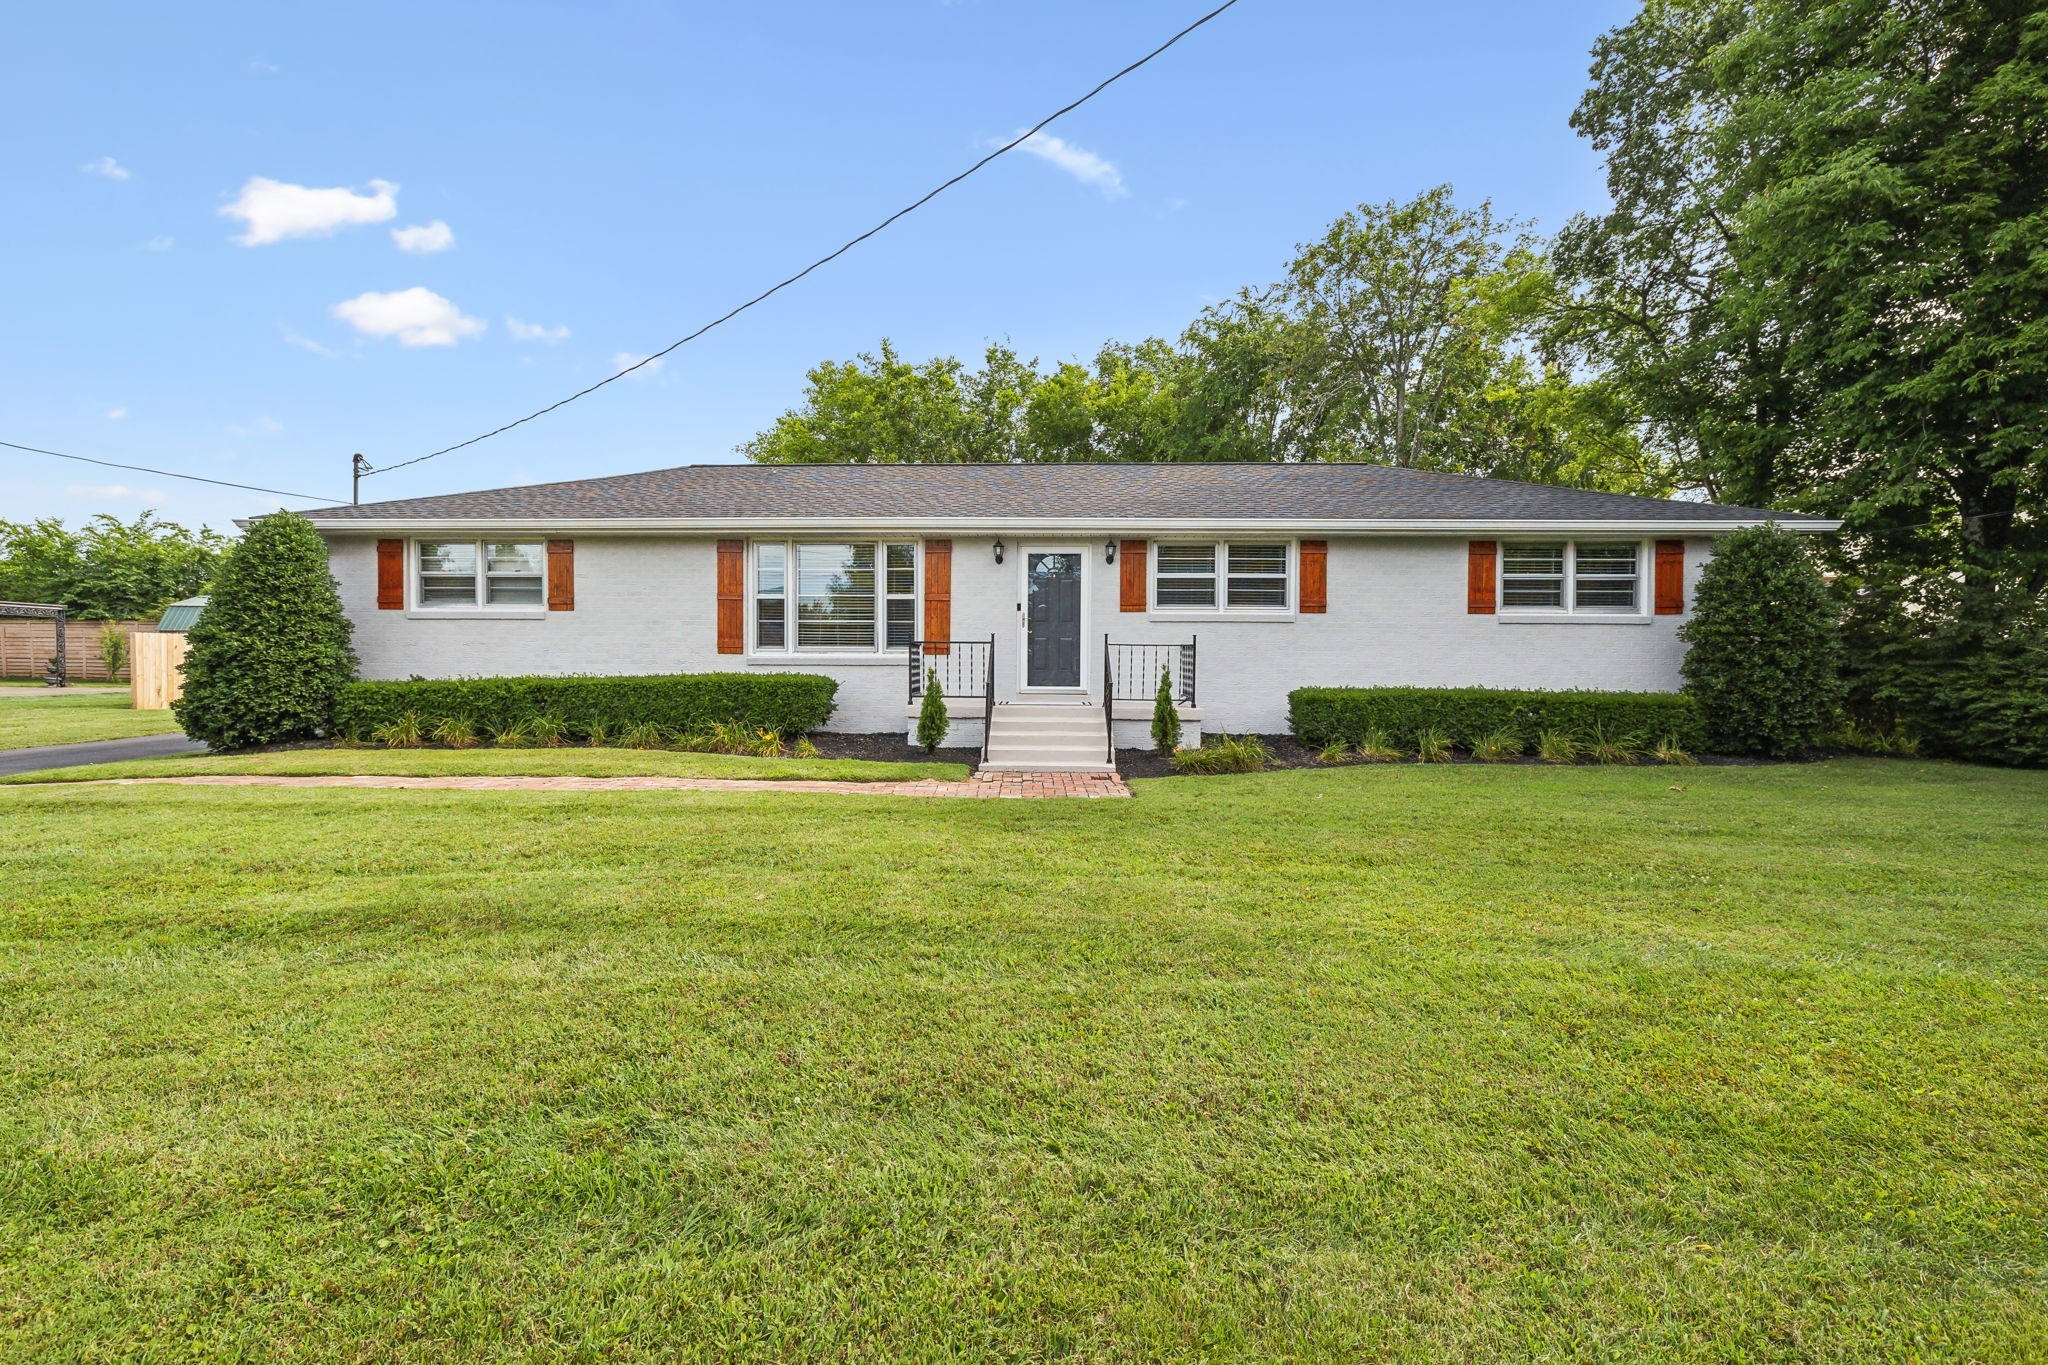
point(561, 575)
point(390, 575)
point(1315, 576)
point(938, 596)
point(1131, 578)
point(732, 597)
point(1479, 577)
point(1670, 577)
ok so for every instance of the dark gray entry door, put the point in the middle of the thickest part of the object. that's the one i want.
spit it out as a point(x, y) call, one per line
point(1052, 615)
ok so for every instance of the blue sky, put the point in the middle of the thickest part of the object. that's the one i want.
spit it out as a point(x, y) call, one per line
point(520, 193)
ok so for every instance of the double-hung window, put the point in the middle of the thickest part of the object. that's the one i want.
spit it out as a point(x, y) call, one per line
point(481, 573)
point(1231, 576)
point(835, 597)
point(1572, 577)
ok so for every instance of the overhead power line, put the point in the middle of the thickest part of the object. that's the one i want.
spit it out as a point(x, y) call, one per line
point(169, 473)
point(777, 288)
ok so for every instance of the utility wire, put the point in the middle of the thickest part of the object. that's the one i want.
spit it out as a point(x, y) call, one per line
point(1022, 137)
point(170, 474)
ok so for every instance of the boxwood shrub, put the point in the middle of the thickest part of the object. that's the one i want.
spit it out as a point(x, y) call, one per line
point(1327, 715)
point(787, 703)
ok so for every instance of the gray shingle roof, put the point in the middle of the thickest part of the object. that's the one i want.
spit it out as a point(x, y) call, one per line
point(1137, 492)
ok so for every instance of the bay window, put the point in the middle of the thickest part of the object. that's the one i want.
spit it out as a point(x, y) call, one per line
point(841, 597)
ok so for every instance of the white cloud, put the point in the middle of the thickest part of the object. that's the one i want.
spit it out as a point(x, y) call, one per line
point(535, 331)
point(107, 168)
point(435, 236)
point(115, 490)
point(622, 359)
point(1084, 165)
point(415, 316)
point(292, 338)
point(274, 210)
point(263, 68)
point(159, 243)
point(116, 414)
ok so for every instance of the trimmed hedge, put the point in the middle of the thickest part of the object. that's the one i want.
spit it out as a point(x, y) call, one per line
point(1327, 715)
point(787, 703)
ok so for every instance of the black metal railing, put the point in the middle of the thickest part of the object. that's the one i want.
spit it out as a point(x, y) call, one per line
point(962, 668)
point(1131, 672)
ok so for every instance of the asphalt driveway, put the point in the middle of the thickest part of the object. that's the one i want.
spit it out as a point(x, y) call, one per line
point(96, 751)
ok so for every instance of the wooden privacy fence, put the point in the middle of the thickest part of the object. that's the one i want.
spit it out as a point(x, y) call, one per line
point(158, 656)
point(26, 647)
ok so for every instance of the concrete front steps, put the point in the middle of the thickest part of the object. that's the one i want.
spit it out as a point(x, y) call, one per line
point(1023, 738)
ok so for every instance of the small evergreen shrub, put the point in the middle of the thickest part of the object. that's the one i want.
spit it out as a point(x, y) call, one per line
point(786, 703)
point(1165, 716)
point(932, 721)
point(269, 656)
point(1764, 660)
point(1322, 715)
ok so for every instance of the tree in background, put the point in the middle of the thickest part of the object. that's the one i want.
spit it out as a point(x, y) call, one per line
point(1763, 661)
point(1825, 279)
point(108, 569)
point(1415, 334)
point(114, 650)
point(271, 650)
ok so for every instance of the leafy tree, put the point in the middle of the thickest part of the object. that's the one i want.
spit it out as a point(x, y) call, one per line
point(108, 569)
point(268, 655)
point(1763, 663)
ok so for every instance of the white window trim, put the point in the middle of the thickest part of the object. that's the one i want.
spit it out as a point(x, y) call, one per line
point(1569, 614)
point(1221, 612)
point(416, 607)
point(789, 651)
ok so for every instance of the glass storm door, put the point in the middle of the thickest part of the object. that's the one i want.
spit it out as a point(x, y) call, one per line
point(1052, 618)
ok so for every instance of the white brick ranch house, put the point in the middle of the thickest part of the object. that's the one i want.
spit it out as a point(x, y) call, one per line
point(1037, 586)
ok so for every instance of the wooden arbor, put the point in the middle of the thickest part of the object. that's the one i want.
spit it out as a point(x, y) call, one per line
point(43, 611)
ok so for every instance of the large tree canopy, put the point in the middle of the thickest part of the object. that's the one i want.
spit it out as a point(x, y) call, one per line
point(1825, 272)
point(107, 569)
point(1409, 333)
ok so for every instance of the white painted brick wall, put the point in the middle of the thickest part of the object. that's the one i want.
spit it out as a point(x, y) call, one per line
point(645, 604)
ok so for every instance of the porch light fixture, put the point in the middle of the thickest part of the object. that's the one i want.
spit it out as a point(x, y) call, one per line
point(999, 551)
point(1109, 552)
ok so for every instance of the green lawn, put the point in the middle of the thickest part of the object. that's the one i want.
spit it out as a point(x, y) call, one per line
point(1414, 1062)
point(504, 762)
point(27, 721)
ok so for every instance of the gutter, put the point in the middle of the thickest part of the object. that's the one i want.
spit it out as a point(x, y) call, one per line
point(1051, 526)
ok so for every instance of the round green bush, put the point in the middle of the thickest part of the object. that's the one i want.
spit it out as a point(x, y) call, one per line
point(1764, 662)
point(268, 655)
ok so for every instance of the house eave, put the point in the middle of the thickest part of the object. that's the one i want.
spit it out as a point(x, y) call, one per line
point(1050, 526)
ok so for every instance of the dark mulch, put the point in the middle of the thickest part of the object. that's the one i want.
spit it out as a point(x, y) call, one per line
point(888, 748)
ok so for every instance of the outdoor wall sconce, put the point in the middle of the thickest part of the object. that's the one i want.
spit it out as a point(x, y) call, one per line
point(999, 550)
point(1109, 552)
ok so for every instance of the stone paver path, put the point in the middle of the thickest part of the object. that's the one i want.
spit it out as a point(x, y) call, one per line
point(1021, 786)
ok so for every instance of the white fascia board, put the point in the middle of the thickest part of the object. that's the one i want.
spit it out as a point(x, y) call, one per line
point(1039, 526)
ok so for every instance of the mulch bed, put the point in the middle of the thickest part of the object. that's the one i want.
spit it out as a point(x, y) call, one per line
point(888, 747)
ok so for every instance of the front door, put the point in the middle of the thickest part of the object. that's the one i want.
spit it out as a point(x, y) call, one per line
point(1052, 618)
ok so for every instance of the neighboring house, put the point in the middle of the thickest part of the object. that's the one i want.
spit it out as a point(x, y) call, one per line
point(1244, 580)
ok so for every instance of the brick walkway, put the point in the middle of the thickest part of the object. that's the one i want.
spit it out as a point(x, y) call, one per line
point(1019, 786)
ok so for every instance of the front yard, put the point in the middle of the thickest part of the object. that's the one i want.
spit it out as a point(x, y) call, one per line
point(1416, 1062)
point(30, 719)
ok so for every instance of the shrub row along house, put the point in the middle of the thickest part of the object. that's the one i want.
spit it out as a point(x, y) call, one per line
point(1053, 596)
